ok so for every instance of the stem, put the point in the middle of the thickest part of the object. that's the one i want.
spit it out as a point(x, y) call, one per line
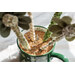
point(12, 21)
point(21, 38)
point(32, 31)
point(48, 33)
point(52, 42)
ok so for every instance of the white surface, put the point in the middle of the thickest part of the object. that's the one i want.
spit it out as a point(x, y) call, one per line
point(8, 47)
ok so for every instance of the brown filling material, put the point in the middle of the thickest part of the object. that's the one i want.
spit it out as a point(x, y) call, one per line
point(35, 46)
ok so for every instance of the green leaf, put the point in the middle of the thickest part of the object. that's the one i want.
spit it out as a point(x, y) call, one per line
point(19, 13)
point(73, 25)
point(47, 35)
point(69, 39)
point(24, 25)
point(55, 28)
point(24, 22)
point(57, 14)
point(66, 19)
point(1, 14)
point(24, 19)
point(57, 20)
point(56, 34)
point(60, 22)
point(5, 31)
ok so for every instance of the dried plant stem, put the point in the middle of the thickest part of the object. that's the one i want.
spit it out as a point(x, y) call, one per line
point(52, 42)
point(12, 22)
point(21, 38)
point(32, 31)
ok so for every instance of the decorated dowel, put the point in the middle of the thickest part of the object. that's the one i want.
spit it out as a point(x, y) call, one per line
point(32, 31)
point(12, 22)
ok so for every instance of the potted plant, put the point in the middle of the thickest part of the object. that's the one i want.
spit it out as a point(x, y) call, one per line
point(38, 43)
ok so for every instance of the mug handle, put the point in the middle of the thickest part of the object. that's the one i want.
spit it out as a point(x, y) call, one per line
point(60, 56)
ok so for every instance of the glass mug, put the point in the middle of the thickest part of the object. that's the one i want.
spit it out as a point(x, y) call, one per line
point(41, 58)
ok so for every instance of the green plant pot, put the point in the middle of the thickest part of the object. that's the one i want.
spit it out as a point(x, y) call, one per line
point(41, 58)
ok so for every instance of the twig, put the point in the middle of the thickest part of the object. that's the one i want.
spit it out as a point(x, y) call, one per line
point(52, 42)
point(32, 31)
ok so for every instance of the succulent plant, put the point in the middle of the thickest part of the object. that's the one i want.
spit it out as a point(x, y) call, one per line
point(23, 22)
point(48, 33)
point(63, 27)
